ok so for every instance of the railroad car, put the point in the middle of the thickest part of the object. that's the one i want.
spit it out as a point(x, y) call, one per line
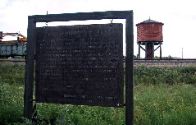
point(13, 48)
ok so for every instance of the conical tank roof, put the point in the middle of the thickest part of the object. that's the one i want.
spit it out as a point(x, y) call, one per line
point(149, 21)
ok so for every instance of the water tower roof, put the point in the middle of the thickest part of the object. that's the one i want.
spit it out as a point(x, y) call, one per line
point(149, 21)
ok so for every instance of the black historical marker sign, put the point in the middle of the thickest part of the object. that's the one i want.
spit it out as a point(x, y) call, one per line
point(80, 64)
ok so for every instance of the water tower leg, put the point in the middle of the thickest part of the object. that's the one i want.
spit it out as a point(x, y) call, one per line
point(160, 52)
point(149, 50)
point(138, 51)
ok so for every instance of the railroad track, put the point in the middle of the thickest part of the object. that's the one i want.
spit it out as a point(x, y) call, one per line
point(165, 62)
point(137, 62)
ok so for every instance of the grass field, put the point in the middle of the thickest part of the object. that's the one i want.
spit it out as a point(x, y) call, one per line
point(161, 97)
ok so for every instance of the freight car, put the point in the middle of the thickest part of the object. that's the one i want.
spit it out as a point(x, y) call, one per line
point(12, 48)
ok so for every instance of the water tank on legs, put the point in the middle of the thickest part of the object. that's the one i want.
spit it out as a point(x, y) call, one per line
point(149, 34)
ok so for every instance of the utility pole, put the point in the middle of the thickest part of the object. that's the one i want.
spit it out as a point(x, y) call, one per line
point(182, 53)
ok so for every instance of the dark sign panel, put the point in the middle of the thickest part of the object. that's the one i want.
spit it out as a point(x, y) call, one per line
point(80, 64)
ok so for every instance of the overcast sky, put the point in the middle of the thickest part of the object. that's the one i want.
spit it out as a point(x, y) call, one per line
point(178, 16)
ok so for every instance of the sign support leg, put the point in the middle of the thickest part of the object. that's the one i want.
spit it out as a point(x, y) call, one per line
point(129, 71)
point(29, 70)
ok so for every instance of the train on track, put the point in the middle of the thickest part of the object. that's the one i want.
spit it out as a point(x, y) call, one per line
point(12, 48)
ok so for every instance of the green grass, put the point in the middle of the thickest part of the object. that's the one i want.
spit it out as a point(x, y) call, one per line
point(165, 104)
point(155, 75)
point(12, 74)
point(155, 104)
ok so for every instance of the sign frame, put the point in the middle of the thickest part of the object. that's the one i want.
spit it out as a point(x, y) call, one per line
point(31, 53)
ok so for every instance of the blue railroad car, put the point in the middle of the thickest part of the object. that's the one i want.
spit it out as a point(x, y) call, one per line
point(12, 49)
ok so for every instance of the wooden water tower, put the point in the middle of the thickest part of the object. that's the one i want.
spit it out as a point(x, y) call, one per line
point(149, 34)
